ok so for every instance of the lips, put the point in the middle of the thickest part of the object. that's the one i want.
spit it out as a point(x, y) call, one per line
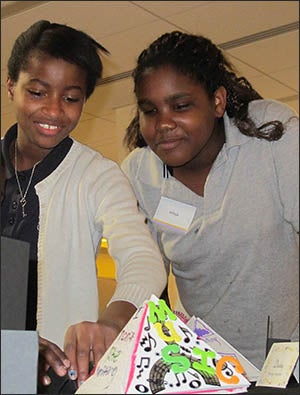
point(47, 126)
point(48, 129)
point(168, 144)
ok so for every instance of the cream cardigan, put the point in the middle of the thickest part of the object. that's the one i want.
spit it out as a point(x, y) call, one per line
point(85, 198)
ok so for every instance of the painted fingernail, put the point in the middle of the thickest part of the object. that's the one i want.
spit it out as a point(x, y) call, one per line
point(81, 382)
point(72, 374)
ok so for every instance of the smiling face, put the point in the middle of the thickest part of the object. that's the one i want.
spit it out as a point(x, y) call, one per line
point(48, 97)
point(178, 120)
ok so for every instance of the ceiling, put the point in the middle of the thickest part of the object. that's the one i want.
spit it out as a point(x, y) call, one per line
point(261, 38)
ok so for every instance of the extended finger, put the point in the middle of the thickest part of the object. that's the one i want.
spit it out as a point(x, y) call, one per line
point(84, 356)
point(77, 348)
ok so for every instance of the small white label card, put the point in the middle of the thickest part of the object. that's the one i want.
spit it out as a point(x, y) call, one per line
point(279, 365)
point(173, 213)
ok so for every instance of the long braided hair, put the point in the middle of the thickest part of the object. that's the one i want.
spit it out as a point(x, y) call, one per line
point(201, 60)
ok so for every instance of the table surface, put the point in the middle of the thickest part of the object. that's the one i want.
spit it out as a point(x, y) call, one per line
point(292, 389)
point(63, 385)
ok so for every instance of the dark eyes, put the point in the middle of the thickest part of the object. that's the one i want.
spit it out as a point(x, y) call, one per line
point(177, 107)
point(39, 94)
point(34, 93)
point(148, 111)
point(71, 99)
point(182, 106)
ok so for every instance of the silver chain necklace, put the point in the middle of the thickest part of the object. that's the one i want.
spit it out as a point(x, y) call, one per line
point(23, 200)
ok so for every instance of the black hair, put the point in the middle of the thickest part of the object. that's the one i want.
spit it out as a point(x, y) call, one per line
point(61, 42)
point(202, 61)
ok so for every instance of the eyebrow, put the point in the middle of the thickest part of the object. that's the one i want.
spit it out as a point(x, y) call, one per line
point(176, 96)
point(69, 87)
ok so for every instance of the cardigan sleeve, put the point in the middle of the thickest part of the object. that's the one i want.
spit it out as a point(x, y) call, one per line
point(140, 270)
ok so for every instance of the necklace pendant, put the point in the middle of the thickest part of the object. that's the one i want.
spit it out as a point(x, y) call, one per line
point(23, 204)
point(23, 200)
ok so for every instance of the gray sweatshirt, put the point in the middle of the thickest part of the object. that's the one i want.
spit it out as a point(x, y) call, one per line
point(238, 261)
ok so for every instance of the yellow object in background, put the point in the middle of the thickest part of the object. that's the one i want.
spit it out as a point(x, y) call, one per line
point(104, 243)
point(105, 263)
point(107, 275)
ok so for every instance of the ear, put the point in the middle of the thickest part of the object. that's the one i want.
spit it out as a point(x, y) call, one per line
point(220, 96)
point(10, 88)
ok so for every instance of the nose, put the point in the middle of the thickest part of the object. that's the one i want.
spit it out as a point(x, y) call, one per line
point(52, 107)
point(165, 122)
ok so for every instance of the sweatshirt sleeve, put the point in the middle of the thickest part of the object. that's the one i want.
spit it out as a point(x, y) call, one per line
point(285, 152)
point(286, 158)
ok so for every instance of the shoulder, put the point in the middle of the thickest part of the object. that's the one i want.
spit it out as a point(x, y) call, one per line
point(144, 165)
point(83, 156)
point(285, 150)
point(135, 155)
point(266, 110)
point(136, 158)
point(85, 150)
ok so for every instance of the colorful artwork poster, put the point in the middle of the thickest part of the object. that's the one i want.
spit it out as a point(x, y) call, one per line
point(168, 357)
point(221, 346)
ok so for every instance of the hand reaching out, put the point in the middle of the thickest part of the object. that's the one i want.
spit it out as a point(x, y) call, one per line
point(86, 342)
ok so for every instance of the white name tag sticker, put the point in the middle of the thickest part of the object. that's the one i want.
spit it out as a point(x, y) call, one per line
point(173, 213)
